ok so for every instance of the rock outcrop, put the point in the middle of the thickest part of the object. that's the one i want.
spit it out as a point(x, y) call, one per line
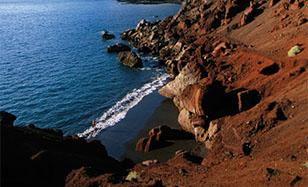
point(130, 59)
point(158, 137)
point(43, 157)
point(107, 36)
point(119, 47)
point(190, 74)
point(6, 119)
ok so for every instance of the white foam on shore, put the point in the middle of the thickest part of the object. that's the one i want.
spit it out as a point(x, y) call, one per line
point(118, 112)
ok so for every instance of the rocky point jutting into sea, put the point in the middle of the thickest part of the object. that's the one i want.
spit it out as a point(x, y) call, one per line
point(240, 84)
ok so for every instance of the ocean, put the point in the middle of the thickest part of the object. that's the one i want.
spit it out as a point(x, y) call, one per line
point(55, 71)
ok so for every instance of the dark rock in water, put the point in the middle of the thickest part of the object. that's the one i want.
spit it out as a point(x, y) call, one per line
point(271, 69)
point(107, 36)
point(130, 59)
point(119, 47)
point(6, 118)
point(248, 99)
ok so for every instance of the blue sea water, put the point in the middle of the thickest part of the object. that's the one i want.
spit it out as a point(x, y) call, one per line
point(54, 69)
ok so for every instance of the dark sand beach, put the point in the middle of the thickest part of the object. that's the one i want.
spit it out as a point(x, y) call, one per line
point(165, 114)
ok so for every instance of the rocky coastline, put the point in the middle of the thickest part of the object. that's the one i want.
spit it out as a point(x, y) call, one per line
point(238, 92)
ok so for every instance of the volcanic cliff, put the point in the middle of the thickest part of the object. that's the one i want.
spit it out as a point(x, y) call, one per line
point(240, 83)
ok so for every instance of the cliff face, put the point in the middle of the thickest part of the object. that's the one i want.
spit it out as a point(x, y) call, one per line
point(237, 86)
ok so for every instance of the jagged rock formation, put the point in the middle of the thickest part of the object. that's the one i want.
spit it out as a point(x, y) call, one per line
point(43, 157)
point(230, 67)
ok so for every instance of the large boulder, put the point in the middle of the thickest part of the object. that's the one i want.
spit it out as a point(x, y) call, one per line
point(119, 47)
point(130, 59)
point(190, 74)
point(6, 119)
point(188, 120)
point(192, 98)
point(158, 137)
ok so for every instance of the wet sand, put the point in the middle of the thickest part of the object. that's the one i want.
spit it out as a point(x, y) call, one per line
point(152, 111)
point(165, 114)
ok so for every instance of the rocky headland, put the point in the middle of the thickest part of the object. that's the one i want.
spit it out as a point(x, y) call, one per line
point(240, 83)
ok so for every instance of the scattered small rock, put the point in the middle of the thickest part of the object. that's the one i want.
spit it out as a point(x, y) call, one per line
point(270, 172)
point(246, 148)
point(294, 51)
point(132, 176)
point(149, 162)
point(220, 49)
point(295, 180)
point(301, 21)
point(297, 72)
point(293, 157)
point(180, 152)
point(182, 172)
point(306, 164)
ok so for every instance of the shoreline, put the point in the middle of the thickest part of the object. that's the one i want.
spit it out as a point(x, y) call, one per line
point(115, 138)
point(165, 114)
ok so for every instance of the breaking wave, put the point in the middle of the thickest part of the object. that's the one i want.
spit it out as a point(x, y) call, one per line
point(118, 112)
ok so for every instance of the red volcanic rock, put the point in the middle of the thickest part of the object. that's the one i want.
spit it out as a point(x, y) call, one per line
point(272, 3)
point(220, 49)
point(158, 136)
point(248, 14)
point(192, 98)
point(188, 120)
point(140, 146)
point(190, 74)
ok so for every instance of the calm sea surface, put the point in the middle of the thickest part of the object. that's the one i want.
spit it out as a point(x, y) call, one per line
point(54, 69)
